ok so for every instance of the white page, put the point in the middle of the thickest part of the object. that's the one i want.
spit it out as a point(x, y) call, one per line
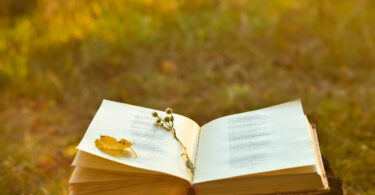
point(264, 140)
point(156, 148)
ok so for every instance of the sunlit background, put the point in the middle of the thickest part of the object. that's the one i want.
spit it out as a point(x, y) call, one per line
point(204, 58)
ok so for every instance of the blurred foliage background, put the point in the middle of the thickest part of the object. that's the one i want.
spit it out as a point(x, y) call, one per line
point(60, 58)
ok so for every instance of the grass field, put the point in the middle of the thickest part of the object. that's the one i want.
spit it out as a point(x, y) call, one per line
point(205, 59)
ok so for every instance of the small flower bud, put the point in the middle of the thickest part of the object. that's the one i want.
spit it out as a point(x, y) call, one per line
point(172, 118)
point(189, 164)
point(168, 110)
point(167, 119)
point(158, 121)
point(154, 114)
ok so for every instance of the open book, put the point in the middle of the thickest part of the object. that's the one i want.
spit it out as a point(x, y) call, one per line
point(271, 150)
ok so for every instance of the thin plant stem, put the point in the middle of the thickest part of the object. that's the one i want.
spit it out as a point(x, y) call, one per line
point(170, 127)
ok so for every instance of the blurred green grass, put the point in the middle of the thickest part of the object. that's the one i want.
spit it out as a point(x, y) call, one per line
point(59, 59)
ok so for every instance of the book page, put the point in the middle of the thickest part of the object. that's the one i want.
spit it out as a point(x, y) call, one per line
point(156, 148)
point(264, 140)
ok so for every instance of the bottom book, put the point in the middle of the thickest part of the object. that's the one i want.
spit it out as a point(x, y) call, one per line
point(268, 151)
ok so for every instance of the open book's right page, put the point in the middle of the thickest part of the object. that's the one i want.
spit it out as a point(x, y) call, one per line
point(269, 139)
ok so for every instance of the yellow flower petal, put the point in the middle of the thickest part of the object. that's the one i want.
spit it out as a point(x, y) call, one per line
point(113, 147)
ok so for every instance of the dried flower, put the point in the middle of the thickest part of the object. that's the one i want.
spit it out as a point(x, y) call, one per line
point(168, 124)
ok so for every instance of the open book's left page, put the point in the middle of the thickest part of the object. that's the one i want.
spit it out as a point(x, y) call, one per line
point(156, 148)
